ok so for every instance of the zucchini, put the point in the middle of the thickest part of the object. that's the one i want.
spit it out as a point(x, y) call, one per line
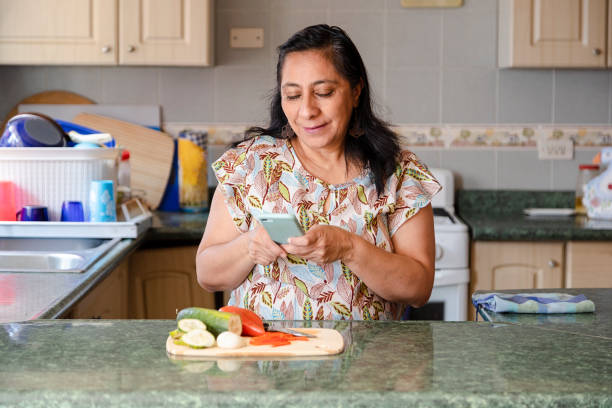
point(187, 325)
point(216, 322)
point(198, 338)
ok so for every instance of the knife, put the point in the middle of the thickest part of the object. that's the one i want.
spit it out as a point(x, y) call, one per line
point(271, 328)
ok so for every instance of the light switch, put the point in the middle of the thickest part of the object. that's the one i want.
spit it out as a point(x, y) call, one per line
point(246, 38)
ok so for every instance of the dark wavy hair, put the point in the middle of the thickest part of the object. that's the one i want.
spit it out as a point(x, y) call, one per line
point(378, 146)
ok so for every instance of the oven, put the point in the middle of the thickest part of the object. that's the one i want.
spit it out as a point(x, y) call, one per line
point(448, 299)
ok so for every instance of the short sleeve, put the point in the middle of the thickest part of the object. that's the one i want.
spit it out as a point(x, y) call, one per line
point(231, 170)
point(414, 187)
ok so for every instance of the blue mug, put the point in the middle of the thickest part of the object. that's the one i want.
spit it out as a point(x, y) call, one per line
point(102, 201)
point(33, 213)
point(72, 211)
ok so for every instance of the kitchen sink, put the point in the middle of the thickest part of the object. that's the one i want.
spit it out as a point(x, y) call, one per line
point(73, 255)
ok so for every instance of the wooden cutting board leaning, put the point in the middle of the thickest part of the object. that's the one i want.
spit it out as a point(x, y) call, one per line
point(49, 97)
point(151, 153)
point(327, 342)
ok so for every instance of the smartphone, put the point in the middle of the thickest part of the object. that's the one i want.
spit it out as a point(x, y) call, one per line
point(280, 227)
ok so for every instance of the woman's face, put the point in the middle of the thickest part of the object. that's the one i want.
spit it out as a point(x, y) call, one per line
point(316, 99)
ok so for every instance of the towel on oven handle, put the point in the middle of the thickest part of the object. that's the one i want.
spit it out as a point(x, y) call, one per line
point(533, 303)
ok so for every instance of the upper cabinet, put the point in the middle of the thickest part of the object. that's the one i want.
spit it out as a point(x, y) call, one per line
point(553, 33)
point(106, 32)
point(165, 32)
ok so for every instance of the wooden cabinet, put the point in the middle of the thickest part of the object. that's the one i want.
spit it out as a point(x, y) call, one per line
point(58, 32)
point(554, 33)
point(165, 32)
point(106, 32)
point(588, 265)
point(108, 300)
point(162, 281)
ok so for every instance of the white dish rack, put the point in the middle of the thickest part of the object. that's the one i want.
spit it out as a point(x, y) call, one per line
point(51, 175)
point(137, 219)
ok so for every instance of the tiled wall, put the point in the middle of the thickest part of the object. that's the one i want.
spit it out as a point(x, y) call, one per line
point(427, 66)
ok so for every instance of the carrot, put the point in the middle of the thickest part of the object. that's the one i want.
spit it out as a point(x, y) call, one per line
point(252, 325)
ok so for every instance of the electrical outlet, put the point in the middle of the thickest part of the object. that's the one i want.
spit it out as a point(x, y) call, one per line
point(556, 149)
point(246, 38)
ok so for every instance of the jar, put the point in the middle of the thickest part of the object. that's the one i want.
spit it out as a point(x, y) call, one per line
point(585, 174)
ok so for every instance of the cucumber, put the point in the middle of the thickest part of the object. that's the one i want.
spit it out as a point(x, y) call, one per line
point(216, 322)
point(187, 325)
point(198, 338)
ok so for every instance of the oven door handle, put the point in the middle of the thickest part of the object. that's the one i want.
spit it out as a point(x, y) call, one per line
point(439, 252)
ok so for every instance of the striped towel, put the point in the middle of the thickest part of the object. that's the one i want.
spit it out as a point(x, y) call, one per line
point(533, 303)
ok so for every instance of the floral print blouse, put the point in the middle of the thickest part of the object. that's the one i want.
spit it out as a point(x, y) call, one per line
point(264, 175)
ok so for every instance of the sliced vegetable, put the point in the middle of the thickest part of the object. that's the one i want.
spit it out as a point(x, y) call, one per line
point(229, 340)
point(176, 334)
point(198, 338)
point(252, 325)
point(275, 339)
point(215, 321)
point(187, 325)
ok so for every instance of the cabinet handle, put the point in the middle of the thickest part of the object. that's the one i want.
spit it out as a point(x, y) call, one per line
point(552, 263)
point(106, 49)
point(131, 48)
point(596, 51)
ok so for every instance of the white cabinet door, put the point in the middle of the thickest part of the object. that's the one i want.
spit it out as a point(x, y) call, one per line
point(58, 32)
point(552, 33)
point(165, 32)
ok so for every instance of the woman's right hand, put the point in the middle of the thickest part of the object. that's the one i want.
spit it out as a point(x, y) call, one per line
point(261, 249)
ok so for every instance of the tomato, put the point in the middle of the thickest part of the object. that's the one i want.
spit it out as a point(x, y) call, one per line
point(252, 325)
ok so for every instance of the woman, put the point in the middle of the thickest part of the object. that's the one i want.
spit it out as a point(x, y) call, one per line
point(368, 248)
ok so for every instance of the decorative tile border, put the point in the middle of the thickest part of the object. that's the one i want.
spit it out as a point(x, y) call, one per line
point(445, 136)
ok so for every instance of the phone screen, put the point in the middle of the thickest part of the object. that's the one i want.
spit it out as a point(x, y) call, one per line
point(280, 227)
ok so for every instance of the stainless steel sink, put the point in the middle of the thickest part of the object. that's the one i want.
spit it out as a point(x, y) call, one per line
point(52, 254)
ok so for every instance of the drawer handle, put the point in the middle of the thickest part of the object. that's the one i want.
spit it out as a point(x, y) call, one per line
point(596, 51)
point(552, 263)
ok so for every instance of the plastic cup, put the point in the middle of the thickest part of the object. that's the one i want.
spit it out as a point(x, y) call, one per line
point(102, 201)
point(33, 213)
point(72, 211)
point(7, 201)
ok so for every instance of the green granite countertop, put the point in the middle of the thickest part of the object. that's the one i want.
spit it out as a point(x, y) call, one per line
point(175, 228)
point(61, 363)
point(494, 215)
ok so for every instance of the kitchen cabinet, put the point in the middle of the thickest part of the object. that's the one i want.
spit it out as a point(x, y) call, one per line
point(515, 265)
point(106, 32)
point(588, 265)
point(162, 281)
point(108, 300)
point(554, 33)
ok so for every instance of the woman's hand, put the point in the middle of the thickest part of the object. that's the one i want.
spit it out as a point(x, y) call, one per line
point(321, 244)
point(261, 249)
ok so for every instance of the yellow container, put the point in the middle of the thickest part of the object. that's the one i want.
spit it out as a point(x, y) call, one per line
point(192, 167)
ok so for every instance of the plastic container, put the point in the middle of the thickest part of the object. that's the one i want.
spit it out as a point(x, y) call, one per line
point(192, 170)
point(51, 175)
point(123, 178)
point(586, 173)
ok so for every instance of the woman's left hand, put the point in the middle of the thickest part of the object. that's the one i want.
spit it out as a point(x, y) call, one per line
point(321, 244)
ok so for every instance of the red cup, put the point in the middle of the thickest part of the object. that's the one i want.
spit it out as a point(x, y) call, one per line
point(7, 201)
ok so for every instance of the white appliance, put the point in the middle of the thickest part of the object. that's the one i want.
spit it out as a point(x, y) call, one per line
point(448, 299)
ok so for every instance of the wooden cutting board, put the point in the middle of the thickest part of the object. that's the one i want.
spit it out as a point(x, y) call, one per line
point(151, 153)
point(50, 97)
point(327, 342)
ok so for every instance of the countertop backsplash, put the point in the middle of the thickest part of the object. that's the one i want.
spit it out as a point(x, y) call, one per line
point(481, 156)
